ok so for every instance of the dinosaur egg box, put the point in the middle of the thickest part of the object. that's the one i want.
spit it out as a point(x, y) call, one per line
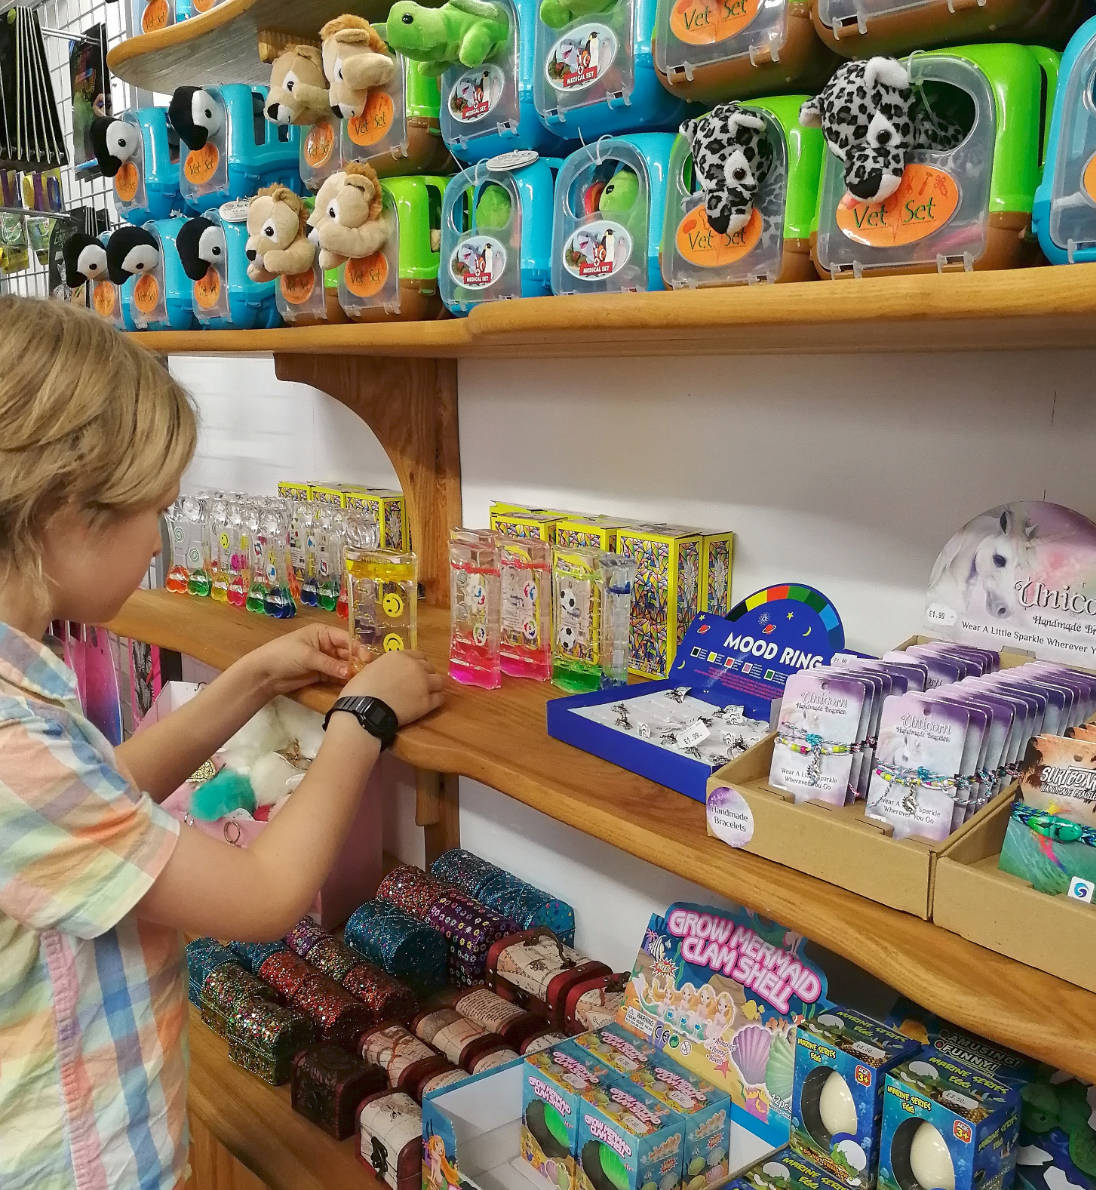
point(772, 242)
point(401, 280)
point(212, 250)
point(157, 294)
point(399, 132)
point(140, 152)
point(1065, 202)
point(229, 148)
point(552, 1086)
point(610, 200)
point(708, 50)
point(495, 231)
point(489, 108)
point(962, 207)
point(841, 1059)
point(860, 28)
point(947, 1126)
point(594, 72)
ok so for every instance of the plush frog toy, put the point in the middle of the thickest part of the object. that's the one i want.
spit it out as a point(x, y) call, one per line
point(460, 31)
point(557, 13)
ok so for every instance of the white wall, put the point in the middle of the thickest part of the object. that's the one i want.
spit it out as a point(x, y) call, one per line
point(848, 473)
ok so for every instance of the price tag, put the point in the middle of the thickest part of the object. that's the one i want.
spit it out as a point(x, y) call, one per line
point(695, 733)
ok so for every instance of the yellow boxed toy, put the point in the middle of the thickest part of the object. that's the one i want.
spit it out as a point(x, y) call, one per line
point(590, 532)
point(525, 524)
point(501, 507)
point(387, 507)
point(290, 489)
point(716, 556)
point(326, 493)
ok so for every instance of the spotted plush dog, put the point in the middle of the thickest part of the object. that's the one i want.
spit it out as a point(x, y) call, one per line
point(871, 121)
point(731, 158)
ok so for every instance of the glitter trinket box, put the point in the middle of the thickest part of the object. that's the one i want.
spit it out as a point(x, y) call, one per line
point(203, 956)
point(386, 998)
point(327, 1085)
point(226, 987)
point(285, 972)
point(265, 1038)
point(338, 1015)
point(536, 970)
point(399, 944)
point(252, 955)
point(412, 890)
point(333, 958)
point(470, 929)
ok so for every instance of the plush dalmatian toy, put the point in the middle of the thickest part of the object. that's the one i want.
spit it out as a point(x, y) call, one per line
point(732, 156)
point(871, 121)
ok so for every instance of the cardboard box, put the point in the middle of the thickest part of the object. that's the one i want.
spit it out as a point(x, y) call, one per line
point(834, 843)
point(835, 1127)
point(716, 563)
point(1001, 912)
point(539, 525)
point(323, 493)
point(627, 1140)
point(387, 507)
point(290, 489)
point(782, 1170)
point(589, 532)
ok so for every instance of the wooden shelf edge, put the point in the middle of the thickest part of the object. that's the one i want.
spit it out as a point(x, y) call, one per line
point(496, 736)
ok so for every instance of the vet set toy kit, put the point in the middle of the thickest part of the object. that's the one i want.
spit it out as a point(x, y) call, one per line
point(139, 151)
point(213, 252)
point(953, 181)
point(741, 196)
point(144, 263)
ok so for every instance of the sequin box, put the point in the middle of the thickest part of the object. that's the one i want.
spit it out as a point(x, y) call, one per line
point(470, 929)
point(332, 958)
point(327, 1085)
point(304, 935)
point(204, 955)
point(463, 869)
point(252, 955)
point(386, 998)
point(285, 972)
point(265, 1038)
point(338, 1015)
point(412, 890)
point(400, 944)
point(390, 1127)
point(225, 988)
point(528, 907)
point(536, 970)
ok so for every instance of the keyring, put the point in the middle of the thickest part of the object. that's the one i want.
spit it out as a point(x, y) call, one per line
point(234, 825)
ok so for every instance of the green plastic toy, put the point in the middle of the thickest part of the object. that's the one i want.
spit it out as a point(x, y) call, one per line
point(620, 192)
point(464, 31)
point(557, 13)
point(493, 207)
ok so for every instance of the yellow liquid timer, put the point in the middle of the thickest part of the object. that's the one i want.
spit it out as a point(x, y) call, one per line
point(383, 608)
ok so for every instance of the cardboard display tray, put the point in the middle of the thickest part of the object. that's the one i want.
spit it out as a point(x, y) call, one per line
point(837, 843)
point(978, 901)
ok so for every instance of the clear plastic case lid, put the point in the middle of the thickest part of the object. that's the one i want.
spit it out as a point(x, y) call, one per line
point(301, 295)
point(372, 282)
point(209, 294)
point(938, 215)
point(590, 60)
point(692, 33)
point(151, 15)
point(147, 293)
point(695, 256)
point(381, 129)
point(599, 234)
point(1073, 190)
point(483, 100)
point(321, 151)
point(130, 189)
point(835, 13)
point(480, 237)
point(205, 170)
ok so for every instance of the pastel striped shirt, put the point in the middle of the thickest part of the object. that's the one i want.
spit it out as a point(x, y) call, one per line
point(93, 1063)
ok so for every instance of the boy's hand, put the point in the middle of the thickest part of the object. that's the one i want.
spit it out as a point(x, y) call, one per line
point(406, 681)
point(312, 654)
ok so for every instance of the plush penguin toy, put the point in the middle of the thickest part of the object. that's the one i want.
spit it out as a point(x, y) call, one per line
point(115, 142)
point(85, 259)
point(201, 243)
point(195, 115)
point(131, 251)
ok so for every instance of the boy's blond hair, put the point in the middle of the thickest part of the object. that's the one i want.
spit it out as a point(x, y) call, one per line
point(87, 421)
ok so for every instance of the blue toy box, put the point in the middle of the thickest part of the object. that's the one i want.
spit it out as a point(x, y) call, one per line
point(230, 149)
point(594, 74)
point(841, 1060)
point(627, 1140)
point(782, 1170)
point(947, 1125)
point(160, 299)
point(142, 157)
point(610, 203)
point(490, 109)
point(496, 231)
point(1064, 215)
point(212, 251)
point(742, 660)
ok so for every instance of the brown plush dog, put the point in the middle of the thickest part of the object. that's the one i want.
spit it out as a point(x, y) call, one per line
point(277, 235)
point(347, 221)
point(355, 58)
point(298, 89)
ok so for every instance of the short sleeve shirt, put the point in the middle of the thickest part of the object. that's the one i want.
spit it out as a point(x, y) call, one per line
point(92, 1000)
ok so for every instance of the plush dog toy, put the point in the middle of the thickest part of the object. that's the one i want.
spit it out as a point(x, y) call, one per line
point(85, 259)
point(557, 13)
point(200, 243)
point(195, 115)
point(277, 235)
point(464, 31)
point(349, 223)
point(732, 156)
point(298, 89)
point(871, 122)
point(355, 58)
point(131, 251)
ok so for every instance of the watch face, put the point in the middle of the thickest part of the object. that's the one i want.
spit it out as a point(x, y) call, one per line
point(380, 717)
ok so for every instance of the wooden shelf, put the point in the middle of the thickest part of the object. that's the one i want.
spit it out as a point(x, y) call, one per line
point(259, 1127)
point(1025, 308)
point(499, 737)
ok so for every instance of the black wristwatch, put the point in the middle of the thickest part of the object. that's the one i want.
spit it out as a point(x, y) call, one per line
point(375, 716)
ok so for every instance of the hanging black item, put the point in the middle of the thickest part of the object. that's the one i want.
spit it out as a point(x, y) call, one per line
point(30, 130)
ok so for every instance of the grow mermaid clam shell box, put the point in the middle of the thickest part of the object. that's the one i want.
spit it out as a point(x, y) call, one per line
point(721, 992)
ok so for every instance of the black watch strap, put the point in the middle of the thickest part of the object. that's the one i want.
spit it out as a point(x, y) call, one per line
point(375, 715)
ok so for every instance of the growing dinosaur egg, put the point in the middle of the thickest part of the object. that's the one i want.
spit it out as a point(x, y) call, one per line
point(836, 1106)
point(930, 1161)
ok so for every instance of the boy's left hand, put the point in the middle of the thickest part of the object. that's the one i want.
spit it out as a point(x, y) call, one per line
point(312, 654)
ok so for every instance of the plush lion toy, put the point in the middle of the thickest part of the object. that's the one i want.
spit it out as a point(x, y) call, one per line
point(298, 89)
point(277, 235)
point(347, 221)
point(355, 58)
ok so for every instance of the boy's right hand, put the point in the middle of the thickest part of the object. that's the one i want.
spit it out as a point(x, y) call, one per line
point(406, 681)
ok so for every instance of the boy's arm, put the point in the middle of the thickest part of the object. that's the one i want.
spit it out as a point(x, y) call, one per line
point(210, 887)
point(160, 758)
